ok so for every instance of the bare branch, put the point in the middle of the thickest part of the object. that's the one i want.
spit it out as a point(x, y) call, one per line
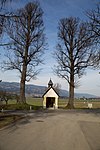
point(27, 36)
point(74, 51)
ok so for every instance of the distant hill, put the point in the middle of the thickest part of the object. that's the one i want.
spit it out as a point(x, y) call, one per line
point(36, 90)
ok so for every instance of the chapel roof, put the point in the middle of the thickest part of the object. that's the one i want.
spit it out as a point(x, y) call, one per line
point(50, 84)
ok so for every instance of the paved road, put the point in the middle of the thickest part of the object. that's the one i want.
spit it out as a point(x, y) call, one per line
point(53, 130)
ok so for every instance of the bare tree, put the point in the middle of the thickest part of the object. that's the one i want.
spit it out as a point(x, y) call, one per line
point(73, 52)
point(94, 18)
point(57, 87)
point(1, 25)
point(5, 14)
point(27, 43)
point(4, 96)
point(16, 97)
point(4, 2)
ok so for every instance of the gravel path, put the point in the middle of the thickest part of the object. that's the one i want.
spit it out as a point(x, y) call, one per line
point(53, 130)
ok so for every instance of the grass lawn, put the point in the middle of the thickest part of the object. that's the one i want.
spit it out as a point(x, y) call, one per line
point(36, 103)
point(79, 103)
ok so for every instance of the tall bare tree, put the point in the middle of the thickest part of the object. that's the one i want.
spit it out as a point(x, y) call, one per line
point(27, 43)
point(73, 52)
point(94, 18)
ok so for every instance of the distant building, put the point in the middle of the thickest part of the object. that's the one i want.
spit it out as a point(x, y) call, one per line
point(50, 97)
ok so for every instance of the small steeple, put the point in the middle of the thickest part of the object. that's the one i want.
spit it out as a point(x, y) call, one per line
point(50, 84)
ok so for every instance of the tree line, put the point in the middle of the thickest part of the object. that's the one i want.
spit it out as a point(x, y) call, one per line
point(78, 46)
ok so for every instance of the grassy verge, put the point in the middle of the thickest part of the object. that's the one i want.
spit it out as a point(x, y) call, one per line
point(8, 119)
point(19, 107)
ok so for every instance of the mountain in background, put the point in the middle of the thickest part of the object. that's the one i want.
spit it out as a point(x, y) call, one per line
point(37, 91)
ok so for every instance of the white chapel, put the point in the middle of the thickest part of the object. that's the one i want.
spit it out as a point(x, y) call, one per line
point(50, 97)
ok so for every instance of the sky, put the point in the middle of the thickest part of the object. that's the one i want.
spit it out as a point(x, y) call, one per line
point(54, 10)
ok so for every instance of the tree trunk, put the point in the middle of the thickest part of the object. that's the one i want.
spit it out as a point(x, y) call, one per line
point(22, 84)
point(6, 102)
point(22, 92)
point(70, 104)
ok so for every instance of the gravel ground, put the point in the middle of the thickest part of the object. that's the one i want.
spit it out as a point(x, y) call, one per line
point(54, 130)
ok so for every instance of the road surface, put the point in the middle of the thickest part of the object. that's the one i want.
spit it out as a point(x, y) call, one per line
point(53, 130)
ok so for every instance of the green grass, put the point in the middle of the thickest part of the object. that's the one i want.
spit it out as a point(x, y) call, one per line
point(36, 103)
point(80, 103)
point(63, 102)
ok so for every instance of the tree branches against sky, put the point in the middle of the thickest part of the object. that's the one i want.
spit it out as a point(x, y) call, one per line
point(54, 10)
